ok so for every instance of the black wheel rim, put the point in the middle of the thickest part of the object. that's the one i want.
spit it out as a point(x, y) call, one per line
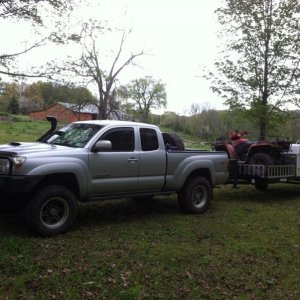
point(54, 213)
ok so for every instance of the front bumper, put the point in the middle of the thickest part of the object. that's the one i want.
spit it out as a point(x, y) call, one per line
point(18, 184)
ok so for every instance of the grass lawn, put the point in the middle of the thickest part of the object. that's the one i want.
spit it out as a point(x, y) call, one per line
point(22, 129)
point(247, 246)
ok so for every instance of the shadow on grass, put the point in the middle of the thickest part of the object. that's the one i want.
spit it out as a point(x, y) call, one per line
point(126, 210)
point(100, 213)
point(11, 224)
point(276, 193)
point(108, 212)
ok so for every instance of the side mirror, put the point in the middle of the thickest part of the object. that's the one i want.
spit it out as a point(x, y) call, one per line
point(103, 145)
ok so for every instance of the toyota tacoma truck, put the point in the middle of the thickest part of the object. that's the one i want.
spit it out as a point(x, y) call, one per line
point(102, 159)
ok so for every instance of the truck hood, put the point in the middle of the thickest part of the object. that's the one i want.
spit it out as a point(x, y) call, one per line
point(27, 148)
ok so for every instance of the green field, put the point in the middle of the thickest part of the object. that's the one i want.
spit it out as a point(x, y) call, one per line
point(21, 129)
point(246, 246)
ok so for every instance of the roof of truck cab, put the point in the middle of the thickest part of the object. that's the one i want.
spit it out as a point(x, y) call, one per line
point(114, 122)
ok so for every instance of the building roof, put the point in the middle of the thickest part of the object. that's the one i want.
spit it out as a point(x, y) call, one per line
point(93, 109)
point(85, 109)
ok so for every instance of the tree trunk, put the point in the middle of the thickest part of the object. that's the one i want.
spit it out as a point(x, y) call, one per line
point(262, 128)
point(263, 117)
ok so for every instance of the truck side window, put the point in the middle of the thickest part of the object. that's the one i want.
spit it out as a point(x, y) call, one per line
point(122, 139)
point(149, 140)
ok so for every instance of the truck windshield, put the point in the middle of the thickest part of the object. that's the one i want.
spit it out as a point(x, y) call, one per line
point(74, 135)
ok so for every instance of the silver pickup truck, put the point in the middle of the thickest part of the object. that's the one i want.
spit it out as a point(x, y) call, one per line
point(92, 160)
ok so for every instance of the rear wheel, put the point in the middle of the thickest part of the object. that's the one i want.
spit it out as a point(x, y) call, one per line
point(52, 211)
point(195, 196)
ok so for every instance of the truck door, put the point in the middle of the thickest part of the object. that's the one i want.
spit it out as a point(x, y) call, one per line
point(152, 161)
point(115, 171)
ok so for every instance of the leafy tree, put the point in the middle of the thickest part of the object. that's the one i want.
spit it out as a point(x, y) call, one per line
point(47, 94)
point(145, 93)
point(33, 92)
point(171, 120)
point(13, 106)
point(8, 91)
point(205, 122)
point(259, 67)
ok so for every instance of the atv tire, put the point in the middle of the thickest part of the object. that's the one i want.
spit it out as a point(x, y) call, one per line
point(261, 159)
point(173, 141)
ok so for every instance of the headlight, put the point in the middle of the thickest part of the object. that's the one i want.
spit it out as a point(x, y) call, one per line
point(4, 166)
point(18, 161)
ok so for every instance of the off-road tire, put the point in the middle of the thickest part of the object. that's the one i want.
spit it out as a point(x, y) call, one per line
point(173, 141)
point(195, 196)
point(51, 211)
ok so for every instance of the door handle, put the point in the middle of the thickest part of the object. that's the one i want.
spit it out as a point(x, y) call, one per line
point(132, 160)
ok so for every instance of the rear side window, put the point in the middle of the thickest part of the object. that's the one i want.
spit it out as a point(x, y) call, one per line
point(122, 139)
point(149, 140)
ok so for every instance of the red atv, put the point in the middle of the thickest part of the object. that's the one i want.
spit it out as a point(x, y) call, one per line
point(256, 153)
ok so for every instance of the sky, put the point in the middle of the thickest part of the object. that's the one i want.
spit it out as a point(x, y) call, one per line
point(181, 37)
point(178, 37)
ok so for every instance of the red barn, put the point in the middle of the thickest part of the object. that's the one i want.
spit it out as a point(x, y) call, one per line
point(67, 112)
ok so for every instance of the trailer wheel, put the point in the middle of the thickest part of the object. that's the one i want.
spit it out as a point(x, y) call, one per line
point(195, 196)
point(261, 184)
point(51, 211)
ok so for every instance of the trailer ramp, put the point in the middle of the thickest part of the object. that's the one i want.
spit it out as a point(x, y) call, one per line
point(272, 172)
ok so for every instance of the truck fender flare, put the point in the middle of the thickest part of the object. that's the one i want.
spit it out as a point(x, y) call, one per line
point(70, 167)
point(191, 168)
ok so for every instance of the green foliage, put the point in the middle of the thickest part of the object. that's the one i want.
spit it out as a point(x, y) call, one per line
point(20, 128)
point(53, 93)
point(13, 106)
point(8, 91)
point(144, 94)
point(245, 247)
point(40, 95)
point(207, 124)
point(258, 70)
point(172, 120)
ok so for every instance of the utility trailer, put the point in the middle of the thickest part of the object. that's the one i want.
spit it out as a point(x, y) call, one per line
point(262, 175)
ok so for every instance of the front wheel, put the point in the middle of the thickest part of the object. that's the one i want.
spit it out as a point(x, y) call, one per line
point(52, 211)
point(195, 196)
